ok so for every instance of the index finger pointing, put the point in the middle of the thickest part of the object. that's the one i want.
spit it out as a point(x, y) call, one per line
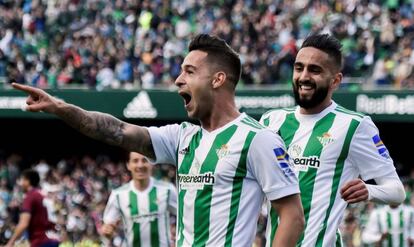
point(24, 88)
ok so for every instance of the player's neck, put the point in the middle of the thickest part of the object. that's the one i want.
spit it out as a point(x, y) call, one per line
point(317, 109)
point(223, 112)
point(141, 184)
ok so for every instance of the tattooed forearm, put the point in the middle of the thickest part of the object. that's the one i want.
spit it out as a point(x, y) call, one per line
point(96, 125)
point(107, 128)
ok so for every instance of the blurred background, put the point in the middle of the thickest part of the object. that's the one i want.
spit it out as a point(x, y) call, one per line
point(122, 56)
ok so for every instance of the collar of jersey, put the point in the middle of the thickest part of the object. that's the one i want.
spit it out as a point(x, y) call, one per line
point(400, 207)
point(151, 183)
point(317, 116)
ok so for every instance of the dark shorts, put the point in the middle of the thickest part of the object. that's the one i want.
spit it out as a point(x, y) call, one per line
point(50, 244)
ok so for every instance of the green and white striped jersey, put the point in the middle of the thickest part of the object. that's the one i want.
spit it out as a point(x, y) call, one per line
point(327, 150)
point(223, 176)
point(145, 214)
point(398, 222)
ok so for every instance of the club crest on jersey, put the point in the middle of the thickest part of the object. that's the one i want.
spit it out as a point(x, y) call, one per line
point(295, 151)
point(283, 161)
point(222, 151)
point(325, 139)
point(195, 168)
point(382, 150)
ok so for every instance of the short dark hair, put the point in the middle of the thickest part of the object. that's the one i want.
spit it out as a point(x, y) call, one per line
point(326, 43)
point(126, 156)
point(32, 176)
point(220, 54)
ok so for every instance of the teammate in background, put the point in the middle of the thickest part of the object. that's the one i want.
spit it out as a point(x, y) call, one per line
point(329, 146)
point(225, 166)
point(143, 205)
point(34, 216)
point(391, 226)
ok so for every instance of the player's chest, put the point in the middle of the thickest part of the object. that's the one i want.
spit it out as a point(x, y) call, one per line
point(311, 150)
point(144, 207)
point(211, 163)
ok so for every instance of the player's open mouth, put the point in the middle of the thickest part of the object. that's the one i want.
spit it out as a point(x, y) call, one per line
point(186, 97)
point(306, 86)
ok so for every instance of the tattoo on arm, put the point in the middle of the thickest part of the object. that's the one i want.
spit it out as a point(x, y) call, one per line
point(106, 128)
point(96, 125)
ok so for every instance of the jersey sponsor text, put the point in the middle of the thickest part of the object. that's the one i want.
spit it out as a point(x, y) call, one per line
point(304, 163)
point(190, 181)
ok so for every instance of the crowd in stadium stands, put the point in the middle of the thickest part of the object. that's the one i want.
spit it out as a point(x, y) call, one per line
point(129, 43)
point(78, 188)
point(77, 192)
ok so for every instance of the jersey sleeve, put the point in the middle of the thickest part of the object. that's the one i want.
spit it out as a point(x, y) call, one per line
point(27, 205)
point(268, 161)
point(112, 211)
point(273, 119)
point(265, 119)
point(172, 200)
point(165, 142)
point(369, 154)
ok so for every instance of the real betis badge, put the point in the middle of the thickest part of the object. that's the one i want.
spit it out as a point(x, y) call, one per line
point(222, 151)
point(325, 139)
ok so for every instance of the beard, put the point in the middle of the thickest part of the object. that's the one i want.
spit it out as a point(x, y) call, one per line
point(319, 95)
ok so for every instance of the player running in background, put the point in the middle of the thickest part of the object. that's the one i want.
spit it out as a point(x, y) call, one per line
point(34, 215)
point(329, 146)
point(225, 166)
point(143, 206)
point(390, 226)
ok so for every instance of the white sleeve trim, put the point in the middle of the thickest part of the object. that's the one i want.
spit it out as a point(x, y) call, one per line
point(388, 190)
point(164, 142)
point(156, 142)
point(286, 191)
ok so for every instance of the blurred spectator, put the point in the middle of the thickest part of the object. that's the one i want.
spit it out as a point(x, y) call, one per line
point(350, 230)
point(390, 225)
point(76, 191)
point(112, 44)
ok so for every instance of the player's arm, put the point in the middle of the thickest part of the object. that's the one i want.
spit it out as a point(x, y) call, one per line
point(388, 190)
point(96, 125)
point(23, 224)
point(267, 160)
point(291, 220)
point(111, 217)
point(371, 233)
point(371, 158)
point(108, 230)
